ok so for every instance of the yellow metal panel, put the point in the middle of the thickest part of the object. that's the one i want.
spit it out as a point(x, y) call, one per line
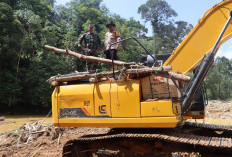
point(125, 98)
point(159, 108)
point(102, 99)
point(201, 39)
point(77, 96)
point(157, 122)
point(55, 106)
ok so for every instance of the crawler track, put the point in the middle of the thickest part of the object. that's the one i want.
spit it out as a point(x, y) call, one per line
point(149, 142)
point(209, 126)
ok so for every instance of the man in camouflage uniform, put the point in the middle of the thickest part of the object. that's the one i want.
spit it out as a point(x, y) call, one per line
point(92, 44)
point(111, 37)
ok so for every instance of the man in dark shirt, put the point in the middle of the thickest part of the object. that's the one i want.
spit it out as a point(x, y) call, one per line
point(91, 46)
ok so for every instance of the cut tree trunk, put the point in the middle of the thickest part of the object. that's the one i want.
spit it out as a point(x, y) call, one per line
point(87, 58)
point(101, 60)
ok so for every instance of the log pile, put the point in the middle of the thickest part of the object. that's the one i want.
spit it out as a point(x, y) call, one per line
point(128, 69)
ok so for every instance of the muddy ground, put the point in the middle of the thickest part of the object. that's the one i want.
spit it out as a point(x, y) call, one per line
point(48, 140)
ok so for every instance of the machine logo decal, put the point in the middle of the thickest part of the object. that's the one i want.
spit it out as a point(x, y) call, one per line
point(74, 112)
point(102, 109)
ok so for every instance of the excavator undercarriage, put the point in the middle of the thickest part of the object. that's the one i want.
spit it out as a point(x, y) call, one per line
point(205, 139)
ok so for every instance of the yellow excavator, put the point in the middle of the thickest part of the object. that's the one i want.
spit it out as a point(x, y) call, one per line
point(148, 113)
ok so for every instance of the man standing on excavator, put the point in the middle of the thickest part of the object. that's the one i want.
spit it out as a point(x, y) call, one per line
point(111, 37)
point(92, 44)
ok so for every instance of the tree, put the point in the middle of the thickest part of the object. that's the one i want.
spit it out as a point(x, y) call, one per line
point(10, 33)
point(30, 22)
point(219, 79)
point(158, 12)
point(41, 8)
point(11, 3)
point(24, 65)
point(168, 33)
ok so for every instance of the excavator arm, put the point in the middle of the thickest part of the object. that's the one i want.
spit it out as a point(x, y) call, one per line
point(202, 38)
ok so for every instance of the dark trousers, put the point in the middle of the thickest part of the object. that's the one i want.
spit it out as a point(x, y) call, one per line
point(109, 52)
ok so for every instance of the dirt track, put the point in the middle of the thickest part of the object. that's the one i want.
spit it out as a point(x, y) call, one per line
point(50, 142)
point(46, 145)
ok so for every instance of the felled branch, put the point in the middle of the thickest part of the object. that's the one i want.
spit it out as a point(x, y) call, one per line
point(87, 58)
point(65, 78)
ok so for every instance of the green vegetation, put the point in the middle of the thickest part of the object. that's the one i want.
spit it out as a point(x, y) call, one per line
point(219, 80)
point(27, 25)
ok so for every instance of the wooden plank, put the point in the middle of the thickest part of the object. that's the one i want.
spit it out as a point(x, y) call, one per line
point(73, 77)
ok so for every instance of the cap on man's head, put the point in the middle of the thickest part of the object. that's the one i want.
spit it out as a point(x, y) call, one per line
point(111, 23)
point(91, 25)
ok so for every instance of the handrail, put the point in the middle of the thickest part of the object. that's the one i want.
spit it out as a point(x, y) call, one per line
point(112, 53)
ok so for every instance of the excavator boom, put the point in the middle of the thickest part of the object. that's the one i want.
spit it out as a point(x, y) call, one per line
point(201, 39)
point(203, 70)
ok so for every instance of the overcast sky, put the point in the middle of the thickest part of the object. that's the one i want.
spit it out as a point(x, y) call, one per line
point(189, 11)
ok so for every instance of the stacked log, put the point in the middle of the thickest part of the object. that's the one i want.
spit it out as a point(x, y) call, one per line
point(128, 68)
point(65, 78)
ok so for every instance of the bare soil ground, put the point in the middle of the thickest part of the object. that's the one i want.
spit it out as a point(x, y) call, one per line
point(49, 142)
point(219, 109)
point(218, 112)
